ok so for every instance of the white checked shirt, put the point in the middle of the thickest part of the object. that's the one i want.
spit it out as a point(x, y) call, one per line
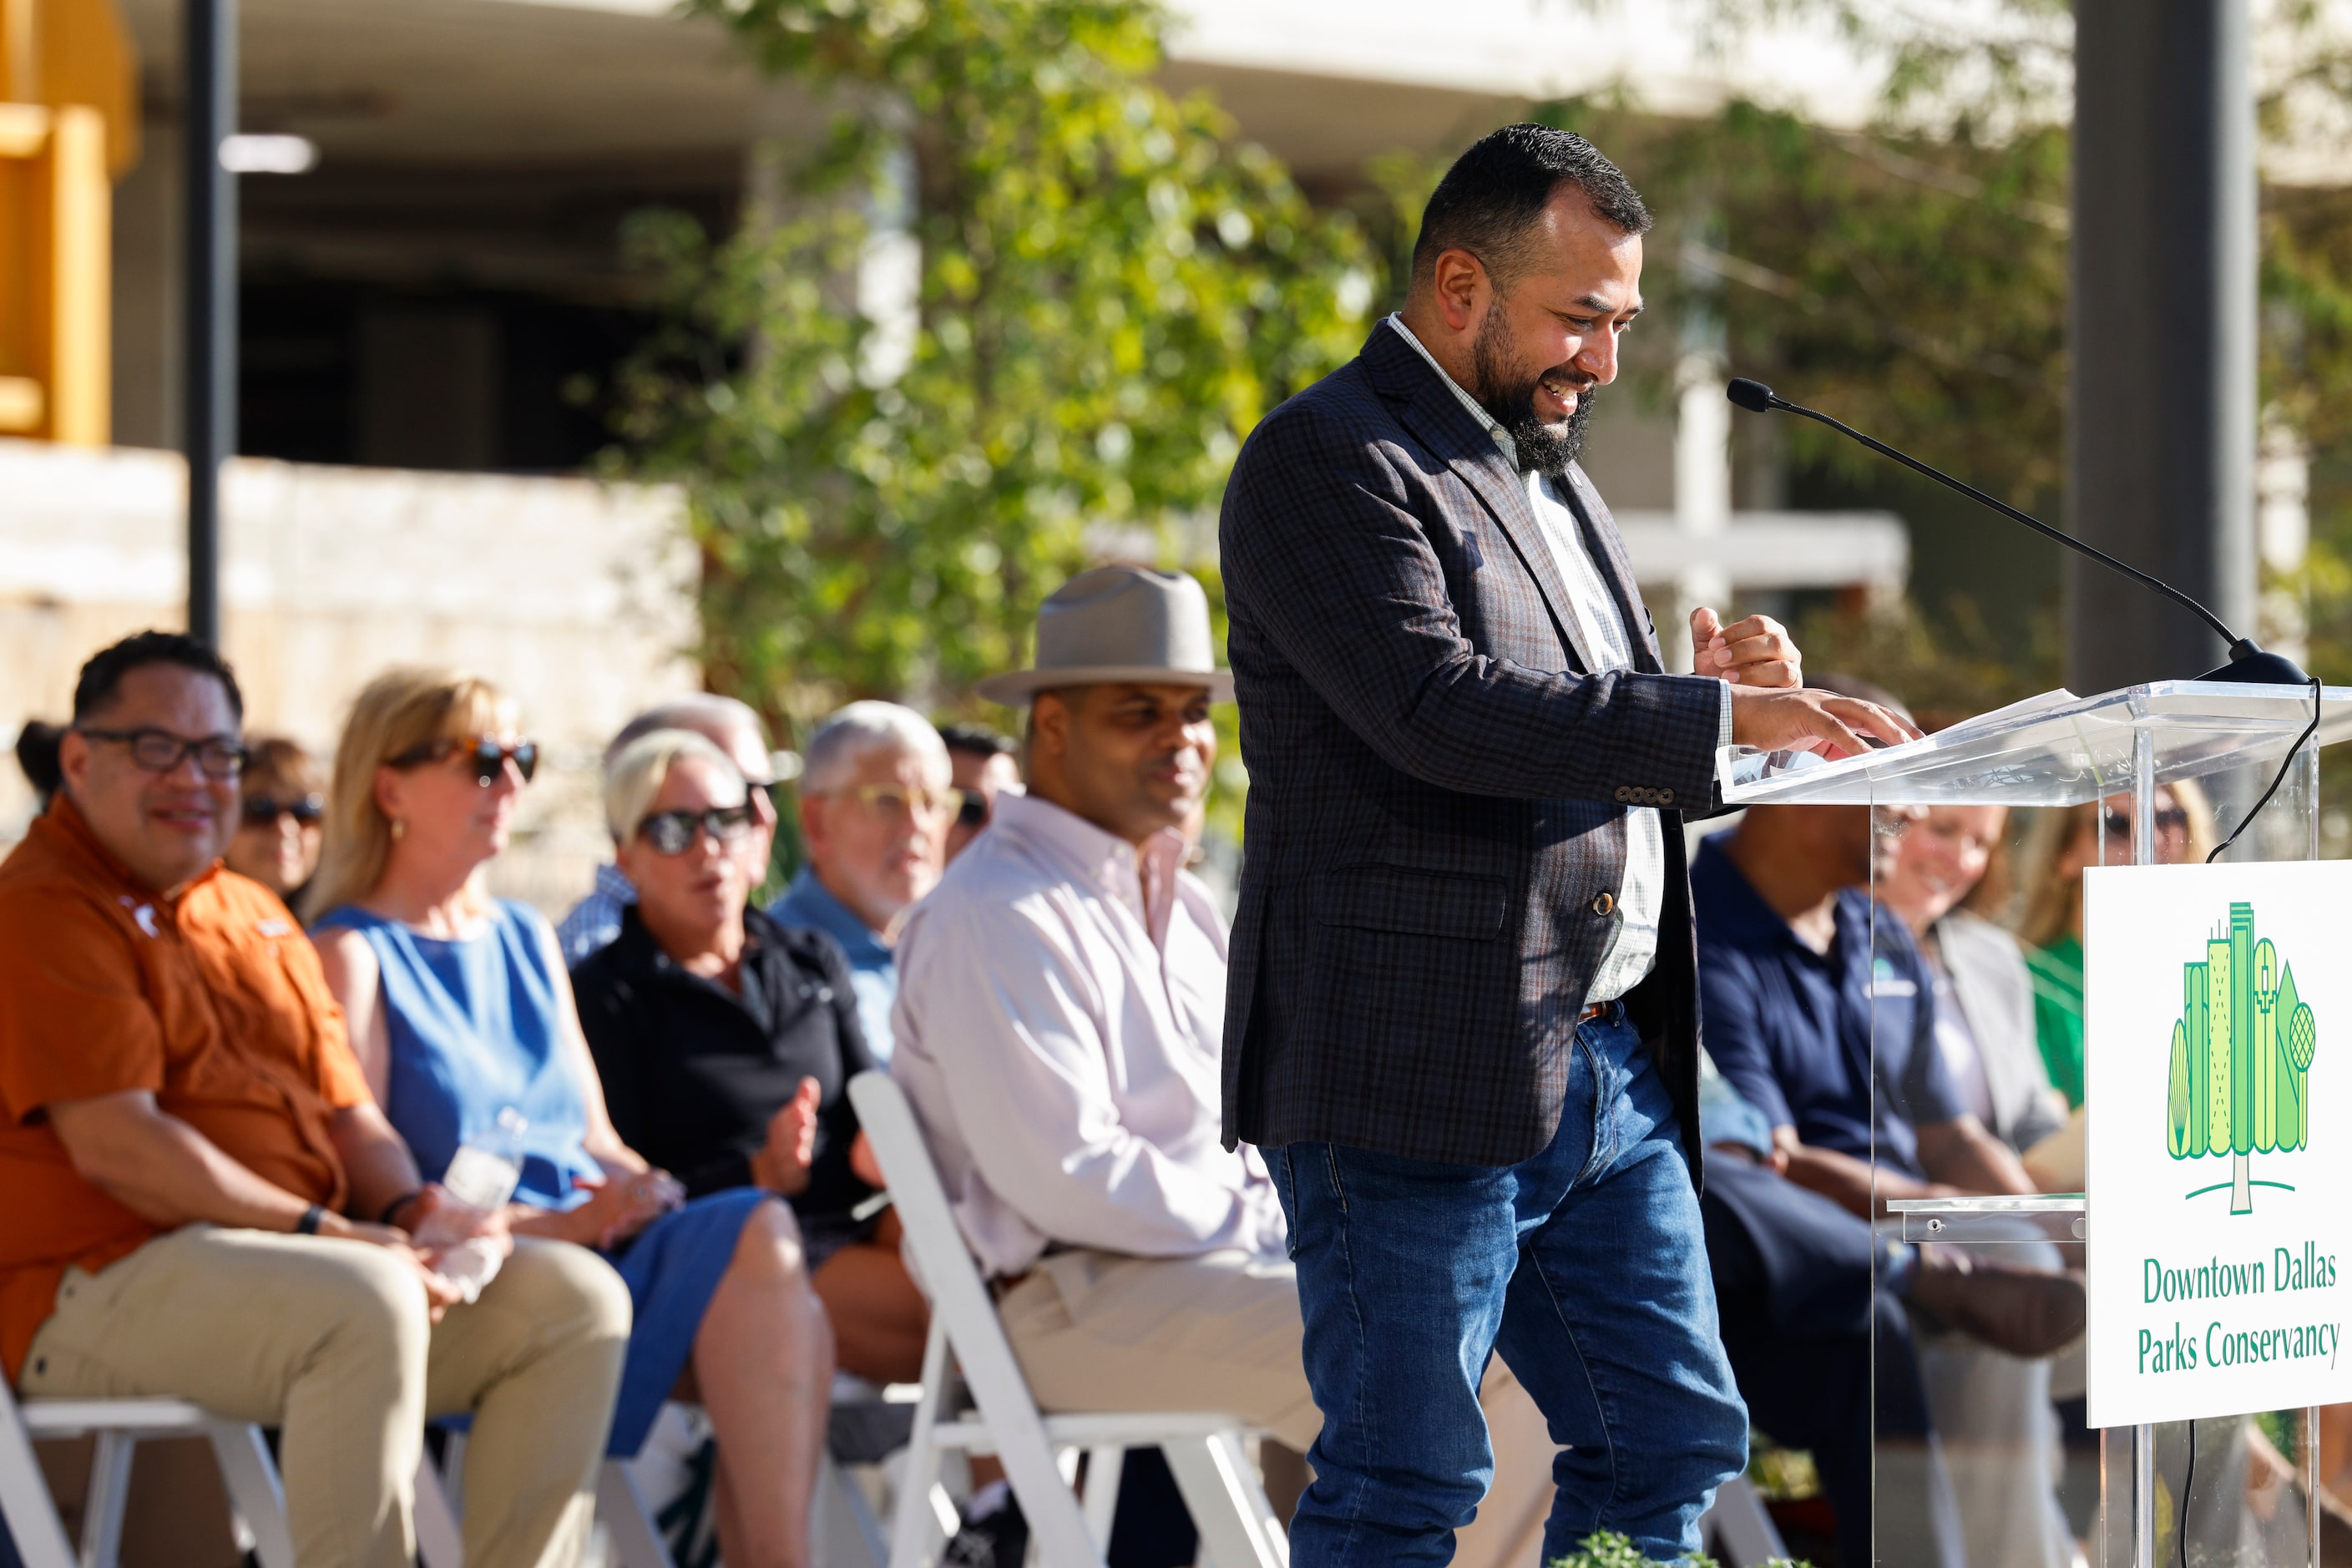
point(1060, 1019)
point(1602, 641)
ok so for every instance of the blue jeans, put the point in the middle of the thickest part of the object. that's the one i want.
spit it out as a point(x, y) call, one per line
point(1585, 1267)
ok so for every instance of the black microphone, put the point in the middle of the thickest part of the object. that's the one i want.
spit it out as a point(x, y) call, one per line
point(2248, 665)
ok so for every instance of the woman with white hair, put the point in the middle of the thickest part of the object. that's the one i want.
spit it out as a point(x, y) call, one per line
point(726, 1042)
point(463, 1018)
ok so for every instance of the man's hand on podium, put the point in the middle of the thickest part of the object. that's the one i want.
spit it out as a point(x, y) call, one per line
point(1769, 709)
point(1809, 720)
point(1757, 651)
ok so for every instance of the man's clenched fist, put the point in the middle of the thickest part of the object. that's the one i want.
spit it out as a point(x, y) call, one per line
point(1754, 652)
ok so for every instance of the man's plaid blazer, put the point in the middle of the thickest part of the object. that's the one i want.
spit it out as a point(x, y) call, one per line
point(1435, 828)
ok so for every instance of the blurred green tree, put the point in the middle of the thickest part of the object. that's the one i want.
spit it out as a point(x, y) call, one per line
point(1911, 280)
point(1912, 275)
point(1103, 291)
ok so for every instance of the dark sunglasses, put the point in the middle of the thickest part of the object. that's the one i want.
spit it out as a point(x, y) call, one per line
point(260, 811)
point(672, 832)
point(974, 812)
point(488, 758)
point(2173, 819)
point(161, 751)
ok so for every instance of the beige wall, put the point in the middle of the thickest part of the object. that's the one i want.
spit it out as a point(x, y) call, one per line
point(574, 596)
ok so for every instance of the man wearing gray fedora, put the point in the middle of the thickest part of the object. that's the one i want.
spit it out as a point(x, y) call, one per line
point(1061, 996)
point(1462, 1021)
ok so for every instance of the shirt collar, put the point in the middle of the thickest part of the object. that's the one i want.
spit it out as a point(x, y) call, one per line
point(637, 953)
point(1143, 877)
point(1733, 911)
point(1510, 449)
point(69, 833)
point(1731, 907)
point(614, 884)
point(809, 902)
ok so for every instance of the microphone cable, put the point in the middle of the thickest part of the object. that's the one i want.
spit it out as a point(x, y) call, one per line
point(2180, 1531)
point(2277, 779)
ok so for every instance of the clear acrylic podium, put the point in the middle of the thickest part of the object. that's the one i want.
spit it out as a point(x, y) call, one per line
point(2156, 756)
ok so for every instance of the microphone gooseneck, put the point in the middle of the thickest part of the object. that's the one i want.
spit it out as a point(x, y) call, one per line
point(2248, 663)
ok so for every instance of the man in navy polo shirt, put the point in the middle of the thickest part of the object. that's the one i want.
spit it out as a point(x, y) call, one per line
point(1793, 958)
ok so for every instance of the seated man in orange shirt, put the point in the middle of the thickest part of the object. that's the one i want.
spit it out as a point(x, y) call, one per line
point(182, 1131)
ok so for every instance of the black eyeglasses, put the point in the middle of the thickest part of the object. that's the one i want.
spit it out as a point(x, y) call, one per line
point(161, 751)
point(974, 811)
point(260, 811)
point(2172, 820)
point(486, 757)
point(672, 832)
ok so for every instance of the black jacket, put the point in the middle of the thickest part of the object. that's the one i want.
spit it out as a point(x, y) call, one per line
point(1437, 789)
point(693, 1073)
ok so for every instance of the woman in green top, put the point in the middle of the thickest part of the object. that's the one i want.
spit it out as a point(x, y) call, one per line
point(2072, 839)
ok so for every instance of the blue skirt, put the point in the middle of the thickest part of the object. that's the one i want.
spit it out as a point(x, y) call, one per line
point(672, 1268)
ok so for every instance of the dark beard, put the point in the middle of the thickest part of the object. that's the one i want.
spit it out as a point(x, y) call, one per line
point(1507, 393)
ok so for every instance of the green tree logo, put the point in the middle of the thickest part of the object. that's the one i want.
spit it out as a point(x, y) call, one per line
point(2241, 1059)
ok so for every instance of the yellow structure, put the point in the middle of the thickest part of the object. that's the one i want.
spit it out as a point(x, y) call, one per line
point(68, 126)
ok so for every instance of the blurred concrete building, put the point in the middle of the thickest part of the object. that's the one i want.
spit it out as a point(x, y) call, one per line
point(426, 313)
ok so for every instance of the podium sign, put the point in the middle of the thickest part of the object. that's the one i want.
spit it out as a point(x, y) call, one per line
point(2215, 1126)
point(2218, 1138)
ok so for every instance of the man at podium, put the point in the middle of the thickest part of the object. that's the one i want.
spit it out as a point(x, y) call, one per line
point(1462, 1018)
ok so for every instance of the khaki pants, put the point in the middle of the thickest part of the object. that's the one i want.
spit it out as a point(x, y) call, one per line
point(330, 1342)
point(1104, 1331)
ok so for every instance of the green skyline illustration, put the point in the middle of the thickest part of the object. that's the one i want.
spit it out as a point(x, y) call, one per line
point(2242, 1054)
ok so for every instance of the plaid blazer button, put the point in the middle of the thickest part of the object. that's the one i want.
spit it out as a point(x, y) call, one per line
point(1665, 797)
point(1624, 793)
point(1603, 903)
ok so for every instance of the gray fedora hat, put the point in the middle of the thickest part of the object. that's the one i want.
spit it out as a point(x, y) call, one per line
point(1120, 623)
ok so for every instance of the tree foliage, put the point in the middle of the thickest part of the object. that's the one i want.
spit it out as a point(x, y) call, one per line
point(1911, 281)
point(1110, 292)
point(1912, 274)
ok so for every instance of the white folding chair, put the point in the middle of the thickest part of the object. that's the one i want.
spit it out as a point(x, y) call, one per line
point(1739, 1528)
point(119, 1425)
point(633, 1539)
point(1040, 1453)
point(848, 1536)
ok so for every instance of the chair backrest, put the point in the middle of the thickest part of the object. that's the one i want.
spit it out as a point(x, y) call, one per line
point(25, 1507)
point(960, 1304)
point(956, 1291)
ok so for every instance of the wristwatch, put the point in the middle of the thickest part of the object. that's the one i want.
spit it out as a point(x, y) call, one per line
point(398, 1203)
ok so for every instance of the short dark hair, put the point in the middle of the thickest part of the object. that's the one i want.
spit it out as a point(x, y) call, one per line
point(1490, 199)
point(37, 754)
point(977, 740)
point(101, 677)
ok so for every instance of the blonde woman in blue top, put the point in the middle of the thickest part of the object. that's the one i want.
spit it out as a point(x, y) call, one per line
point(460, 1010)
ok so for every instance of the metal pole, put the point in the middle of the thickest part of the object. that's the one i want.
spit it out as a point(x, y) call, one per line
point(2311, 1486)
point(2143, 853)
point(2160, 428)
point(209, 45)
point(2308, 764)
point(2143, 1496)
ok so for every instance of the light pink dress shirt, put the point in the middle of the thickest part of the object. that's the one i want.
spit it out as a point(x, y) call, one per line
point(1061, 1010)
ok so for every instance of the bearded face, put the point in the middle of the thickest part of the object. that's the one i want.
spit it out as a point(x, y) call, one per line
point(1507, 387)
